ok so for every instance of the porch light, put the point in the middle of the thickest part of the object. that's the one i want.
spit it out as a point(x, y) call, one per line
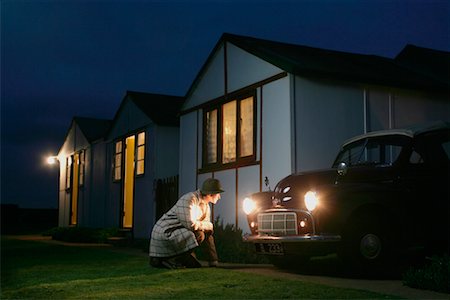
point(51, 160)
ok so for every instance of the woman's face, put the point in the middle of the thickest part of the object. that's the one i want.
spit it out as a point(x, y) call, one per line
point(212, 198)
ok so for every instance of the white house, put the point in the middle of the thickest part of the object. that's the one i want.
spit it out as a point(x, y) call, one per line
point(143, 145)
point(108, 169)
point(261, 109)
point(82, 181)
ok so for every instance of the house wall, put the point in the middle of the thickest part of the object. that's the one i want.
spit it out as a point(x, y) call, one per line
point(97, 184)
point(244, 69)
point(74, 142)
point(326, 114)
point(130, 121)
point(211, 82)
point(419, 107)
point(301, 123)
point(144, 211)
point(330, 112)
point(161, 161)
point(188, 152)
point(273, 106)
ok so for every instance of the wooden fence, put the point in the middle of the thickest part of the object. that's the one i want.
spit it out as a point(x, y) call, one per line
point(166, 194)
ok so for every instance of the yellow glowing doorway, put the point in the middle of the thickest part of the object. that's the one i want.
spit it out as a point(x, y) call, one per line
point(128, 185)
point(74, 196)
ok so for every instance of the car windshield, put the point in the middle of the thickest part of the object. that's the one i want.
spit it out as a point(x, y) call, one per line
point(371, 151)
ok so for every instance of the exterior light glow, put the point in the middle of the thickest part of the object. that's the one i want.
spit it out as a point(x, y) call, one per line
point(249, 205)
point(51, 160)
point(311, 200)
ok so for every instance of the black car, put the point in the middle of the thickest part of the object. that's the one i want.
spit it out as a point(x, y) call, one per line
point(387, 191)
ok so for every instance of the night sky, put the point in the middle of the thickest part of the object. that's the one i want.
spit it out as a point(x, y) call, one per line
point(61, 59)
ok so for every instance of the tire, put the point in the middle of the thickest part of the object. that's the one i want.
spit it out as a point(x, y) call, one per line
point(367, 246)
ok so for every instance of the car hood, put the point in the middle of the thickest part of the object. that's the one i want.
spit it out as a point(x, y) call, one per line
point(290, 191)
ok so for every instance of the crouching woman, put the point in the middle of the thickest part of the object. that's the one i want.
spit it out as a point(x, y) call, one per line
point(184, 227)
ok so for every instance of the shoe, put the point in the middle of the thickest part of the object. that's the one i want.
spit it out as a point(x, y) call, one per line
point(164, 263)
point(168, 264)
point(214, 264)
point(189, 261)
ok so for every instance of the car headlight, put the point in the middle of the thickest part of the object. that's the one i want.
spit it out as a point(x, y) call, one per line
point(249, 205)
point(311, 200)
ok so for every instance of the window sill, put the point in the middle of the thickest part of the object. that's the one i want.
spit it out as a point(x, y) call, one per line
point(235, 165)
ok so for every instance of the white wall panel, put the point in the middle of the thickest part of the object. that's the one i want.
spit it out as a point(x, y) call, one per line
point(188, 152)
point(225, 208)
point(129, 119)
point(327, 115)
point(167, 149)
point(199, 138)
point(244, 69)
point(378, 109)
point(276, 149)
point(211, 83)
point(248, 183)
point(413, 108)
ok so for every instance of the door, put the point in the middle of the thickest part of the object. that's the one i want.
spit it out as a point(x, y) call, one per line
point(75, 184)
point(128, 185)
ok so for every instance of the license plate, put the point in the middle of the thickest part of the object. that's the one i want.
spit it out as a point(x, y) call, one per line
point(270, 248)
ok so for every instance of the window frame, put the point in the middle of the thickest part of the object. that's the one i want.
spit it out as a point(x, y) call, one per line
point(69, 162)
point(115, 165)
point(136, 154)
point(240, 161)
point(121, 140)
point(82, 168)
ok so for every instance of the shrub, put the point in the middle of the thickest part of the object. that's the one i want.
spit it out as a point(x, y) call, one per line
point(434, 275)
point(230, 247)
point(81, 234)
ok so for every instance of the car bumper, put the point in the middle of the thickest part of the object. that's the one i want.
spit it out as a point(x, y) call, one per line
point(292, 239)
point(308, 245)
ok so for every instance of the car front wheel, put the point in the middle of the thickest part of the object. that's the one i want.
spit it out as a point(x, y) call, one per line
point(366, 246)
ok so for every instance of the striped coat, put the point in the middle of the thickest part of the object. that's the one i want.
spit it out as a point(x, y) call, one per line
point(173, 234)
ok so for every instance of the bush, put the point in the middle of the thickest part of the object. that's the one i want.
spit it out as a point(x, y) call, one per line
point(230, 247)
point(434, 275)
point(81, 234)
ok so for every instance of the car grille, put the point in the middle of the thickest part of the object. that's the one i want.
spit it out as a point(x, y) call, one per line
point(277, 223)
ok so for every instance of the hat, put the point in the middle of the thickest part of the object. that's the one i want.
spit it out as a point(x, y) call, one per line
point(211, 186)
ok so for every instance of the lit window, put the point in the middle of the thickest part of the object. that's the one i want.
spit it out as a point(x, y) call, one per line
point(211, 136)
point(118, 161)
point(234, 123)
point(229, 132)
point(140, 154)
point(246, 126)
point(68, 172)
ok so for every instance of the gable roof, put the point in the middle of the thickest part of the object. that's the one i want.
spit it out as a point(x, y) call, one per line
point(92, 129)
point(315, 62)
point(430, 62)
point(161, 109)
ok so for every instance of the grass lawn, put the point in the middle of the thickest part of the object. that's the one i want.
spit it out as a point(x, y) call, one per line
point(31, 269)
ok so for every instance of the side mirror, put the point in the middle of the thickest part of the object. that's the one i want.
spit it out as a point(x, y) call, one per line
point(342, 169)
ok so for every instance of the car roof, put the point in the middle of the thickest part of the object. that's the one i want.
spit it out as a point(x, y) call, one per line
point(407, 132)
